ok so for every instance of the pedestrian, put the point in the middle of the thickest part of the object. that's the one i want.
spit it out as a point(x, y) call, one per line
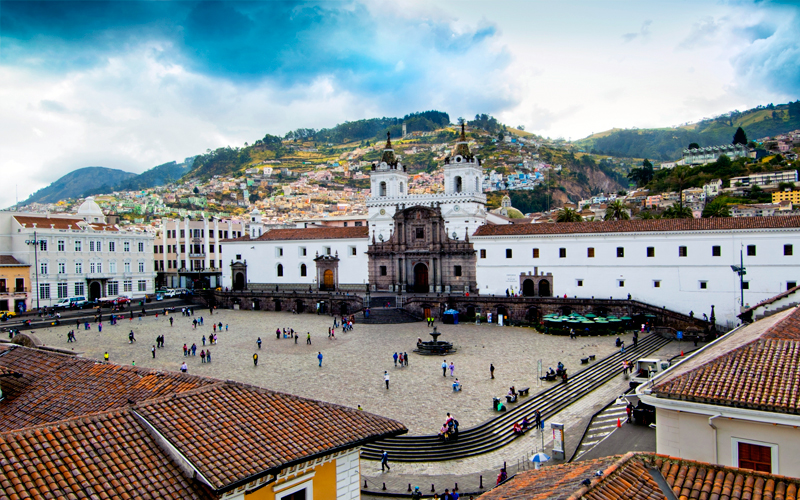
point(625, 367)
point(384, 455)
point(395, 360)
point(208, 356)
point(571, 334)
point(308, 338)
point(153, 350)
point(171, 319)
point(491, 370)
point(203, 356)
point(416, 495)
point(215, 327)
point(259, 342)
point(185, 350)
point(629, 411)
point(405, 357)
point(255, 360)
point(622, 347)
point(401, 359)
point(278, 333)
point(133, 363)
point(194, 349)
point(204, 340)
point(452, 368)
point(184, 367)
point(386, 379)
point(444, 368)
point(295, 339)
point(636, 341)
point(105, 357)
point(319, 357)
point(100, 327)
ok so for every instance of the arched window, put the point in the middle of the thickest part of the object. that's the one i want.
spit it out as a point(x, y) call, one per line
point(383, 189)
point(458, 184)
point(280, 270)
point(302, 269)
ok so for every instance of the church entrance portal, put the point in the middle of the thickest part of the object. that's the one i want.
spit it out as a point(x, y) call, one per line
point(544, 288)
point(421, 278)
point(527, 288)
point(327, 280)
point(239, 282)
point(95, 290)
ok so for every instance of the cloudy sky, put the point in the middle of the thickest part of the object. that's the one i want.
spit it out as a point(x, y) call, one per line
point(132, 84)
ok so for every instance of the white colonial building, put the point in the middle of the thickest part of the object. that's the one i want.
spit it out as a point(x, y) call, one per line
point(78, 255)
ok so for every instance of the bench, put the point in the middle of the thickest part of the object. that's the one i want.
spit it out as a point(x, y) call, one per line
point(591, 357)
point(584, 361)
point(524, 391)
point(549, 377)
point(511, 399)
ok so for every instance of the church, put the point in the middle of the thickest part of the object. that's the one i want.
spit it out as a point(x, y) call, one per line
point(448, 243)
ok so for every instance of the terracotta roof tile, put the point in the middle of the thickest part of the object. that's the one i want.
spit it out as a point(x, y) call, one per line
point(772, 299)
point(310, 233)
point(60, 223)
point(108, 455)
point(254, 430)
point(757, 367)
point(629, 478)
point(58, 386)
point(638, 226)
point(9, 260)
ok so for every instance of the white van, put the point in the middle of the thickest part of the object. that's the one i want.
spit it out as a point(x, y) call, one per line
point(71, 302)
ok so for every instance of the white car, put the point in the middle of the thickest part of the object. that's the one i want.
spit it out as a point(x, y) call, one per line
point(170, 293)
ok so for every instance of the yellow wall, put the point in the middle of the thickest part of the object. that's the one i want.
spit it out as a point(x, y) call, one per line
point(793, 196)
point(324, 482)
point(10, 274)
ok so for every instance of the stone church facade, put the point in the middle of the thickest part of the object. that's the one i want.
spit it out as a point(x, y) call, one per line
point(420, 257)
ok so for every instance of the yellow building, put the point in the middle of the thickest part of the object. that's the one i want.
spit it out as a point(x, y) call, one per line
point(15, 283)
point(792, 196)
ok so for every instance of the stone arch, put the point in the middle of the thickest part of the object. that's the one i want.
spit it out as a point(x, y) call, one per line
point(300, 306)
point(528, 288)
point(533, 315)
point(277, 304)
point(279, 270)
point(544, 289)
point(382, 189)
point(458, 184)
point(238, 281)
point(421, 278)
point(95, 290)
point(303, 270)
point(565, 310)
point(470, 313)
point(502, 310)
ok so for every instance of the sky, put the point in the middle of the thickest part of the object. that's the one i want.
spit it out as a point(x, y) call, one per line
point(135, 84)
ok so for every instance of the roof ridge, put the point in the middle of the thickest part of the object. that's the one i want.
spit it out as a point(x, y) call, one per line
point(83, 418)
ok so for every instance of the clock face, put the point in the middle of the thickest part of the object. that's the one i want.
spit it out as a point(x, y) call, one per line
point(456, 208)
point(383, 211)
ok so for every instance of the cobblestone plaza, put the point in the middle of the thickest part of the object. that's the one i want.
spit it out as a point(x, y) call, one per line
point(353, 365)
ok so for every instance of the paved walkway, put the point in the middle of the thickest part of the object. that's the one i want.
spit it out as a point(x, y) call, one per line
point(353, 365)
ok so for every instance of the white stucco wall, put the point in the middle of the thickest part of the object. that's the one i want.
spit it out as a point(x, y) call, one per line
point(348, 475)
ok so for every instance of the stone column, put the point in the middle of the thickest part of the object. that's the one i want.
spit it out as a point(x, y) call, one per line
point(205, 243)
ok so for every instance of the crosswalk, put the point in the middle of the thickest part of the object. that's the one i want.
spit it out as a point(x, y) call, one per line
point(603, 424)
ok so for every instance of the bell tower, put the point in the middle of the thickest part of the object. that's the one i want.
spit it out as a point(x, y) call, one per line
point(388, 187)
point(462, 170)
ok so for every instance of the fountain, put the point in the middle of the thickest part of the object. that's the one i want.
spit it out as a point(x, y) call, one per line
point(435, 347)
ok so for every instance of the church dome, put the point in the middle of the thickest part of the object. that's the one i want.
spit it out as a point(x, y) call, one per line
point(90, 210)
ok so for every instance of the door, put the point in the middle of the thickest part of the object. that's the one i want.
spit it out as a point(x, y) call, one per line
point(3, 285)
point(239, 282)
point(327, 280)
point(421, 278)
point(427, 312)
point(544, 288)
point(527, 288)
point(277, 305)
point(20, 287)
point(95, 290)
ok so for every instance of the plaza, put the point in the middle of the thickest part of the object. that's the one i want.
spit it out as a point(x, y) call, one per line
point(353, 364)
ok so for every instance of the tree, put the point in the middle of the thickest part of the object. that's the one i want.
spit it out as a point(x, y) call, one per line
point(646, 164)
point(616, 210)
point(680, 178)
point(694, 145)
point(641, 176)
point(568, 215)
point(740, 137)
point(678, 212)
point(521, 127)
point(716, 208)
point(648, 215)
point(195, 190)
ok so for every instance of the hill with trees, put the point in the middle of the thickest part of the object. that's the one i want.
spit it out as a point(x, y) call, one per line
point(78, 183)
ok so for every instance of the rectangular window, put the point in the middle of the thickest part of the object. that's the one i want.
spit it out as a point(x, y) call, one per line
point(62, 268)
point(239, 256)
point(279, 251)
point(99, 246)
point(78, 268)
point(651, 251)
point(790, 284)
point(141, 246)
point(127, 286)
point(535, 253)
point(562, 253)
point(91, 267)
point(483, 253)
point(579, 282)
point(303, 251)
point(682, 252)
point(44, 290)
point(590, 252)
point(113, 288)
point(210, 248)
point(142, 285)
point(78, 246)
point(141, 267)
point(183, 233)
point(112, 267)
point(703, 285)
point(419, 233)
point(359, 223)
point(112, 246)
point(79, 289)
point(716, 251)
point(621, 283)
point(327, 250)
point(99, 267)
point(126, 246)
point(126, 267)
point(751, 250)
point(63, 290)
point(509, 253)
point(745, 285)
point(91, 246)
point(42, 245)
point(62, 245)
point(456, 270)
point(754, 457)
point(43, 268)
point(656, 283)
point(620, 251)
point(345, 223)
point(183, 248)
point(383, 270)
point(787, 249)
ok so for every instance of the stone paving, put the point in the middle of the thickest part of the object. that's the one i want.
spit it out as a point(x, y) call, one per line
point(353, 364)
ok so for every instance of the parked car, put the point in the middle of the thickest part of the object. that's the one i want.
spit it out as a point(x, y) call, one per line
point(6, 315)
point(71, 303)
point(171, 293)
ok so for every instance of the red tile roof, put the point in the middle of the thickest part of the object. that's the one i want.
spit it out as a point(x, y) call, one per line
point(638, 226)
point(60, 223)
point(630, 477)
point(108, 455)
point(309, 233)
point(9, 260)
point(757, 367)
point(254, 430)
point(58, 386)
point(771, 300)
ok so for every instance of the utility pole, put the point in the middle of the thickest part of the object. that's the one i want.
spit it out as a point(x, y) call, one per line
point(741, 271)
point(35, 243)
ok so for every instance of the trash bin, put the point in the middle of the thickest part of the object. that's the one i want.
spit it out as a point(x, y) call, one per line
point(495, 404)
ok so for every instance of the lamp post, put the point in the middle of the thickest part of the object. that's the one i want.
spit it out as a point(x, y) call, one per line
point(35, 243)
point(741, 271)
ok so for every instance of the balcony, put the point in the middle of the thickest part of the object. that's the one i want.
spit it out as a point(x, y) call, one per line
point(11, 291)
point(197, 255)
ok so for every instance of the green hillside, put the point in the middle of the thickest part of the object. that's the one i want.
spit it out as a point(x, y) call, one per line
point(78, 183)
point(668, 143)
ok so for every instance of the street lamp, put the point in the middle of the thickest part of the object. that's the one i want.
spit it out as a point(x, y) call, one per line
point(741, 271)
point(35, 242)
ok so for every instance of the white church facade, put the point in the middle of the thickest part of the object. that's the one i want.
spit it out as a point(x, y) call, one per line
point(683, 265)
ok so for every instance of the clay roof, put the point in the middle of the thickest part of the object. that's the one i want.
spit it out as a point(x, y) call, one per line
point(637, 226)
point(60, 223)
point(9, 260)
point(632, 477)
point(756, 367)
point(310, 233)
point(254, 430)
point(771, 299)
point(109, 455)
point(58, 386)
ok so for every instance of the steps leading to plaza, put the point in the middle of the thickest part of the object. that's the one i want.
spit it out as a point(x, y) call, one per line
point(384, 316)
